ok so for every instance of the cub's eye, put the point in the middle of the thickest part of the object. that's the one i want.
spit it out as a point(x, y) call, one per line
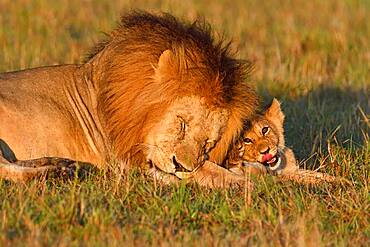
point(247, 140)
point(265, 130)
point(182, 128)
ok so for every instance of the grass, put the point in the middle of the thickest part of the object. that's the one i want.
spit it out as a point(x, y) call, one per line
point(312, 55)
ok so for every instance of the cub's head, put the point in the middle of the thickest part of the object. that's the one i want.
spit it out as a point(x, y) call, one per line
point(263, 137)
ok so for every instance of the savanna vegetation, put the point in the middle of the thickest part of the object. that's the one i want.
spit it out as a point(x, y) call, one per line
point(314, 56)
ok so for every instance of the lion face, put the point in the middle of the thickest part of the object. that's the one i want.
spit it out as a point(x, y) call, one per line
point(182, 139)
point(263, 140)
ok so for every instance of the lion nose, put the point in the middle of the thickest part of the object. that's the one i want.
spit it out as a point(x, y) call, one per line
point(264, 150)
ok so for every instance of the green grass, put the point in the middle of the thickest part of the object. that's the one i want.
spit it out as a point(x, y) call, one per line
point(313, 55)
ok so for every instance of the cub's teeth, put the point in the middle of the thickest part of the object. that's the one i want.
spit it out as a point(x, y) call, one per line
point(276, 165)
point(272, 160)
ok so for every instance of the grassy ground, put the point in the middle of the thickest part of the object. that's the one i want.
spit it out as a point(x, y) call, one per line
point(312, 55)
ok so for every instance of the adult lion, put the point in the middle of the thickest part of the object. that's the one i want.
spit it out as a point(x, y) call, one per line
point(157, 92)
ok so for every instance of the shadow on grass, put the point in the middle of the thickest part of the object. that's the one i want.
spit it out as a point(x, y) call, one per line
point(326, 114)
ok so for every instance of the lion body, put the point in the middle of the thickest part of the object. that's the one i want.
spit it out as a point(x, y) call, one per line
point(37, 118)
point(127, 101)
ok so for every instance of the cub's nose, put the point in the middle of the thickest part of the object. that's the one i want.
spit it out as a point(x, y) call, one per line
point(264, 150)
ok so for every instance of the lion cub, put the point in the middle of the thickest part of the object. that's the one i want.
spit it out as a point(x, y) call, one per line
point(261, 148)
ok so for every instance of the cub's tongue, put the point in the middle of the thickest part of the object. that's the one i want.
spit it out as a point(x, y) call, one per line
point(267, 157)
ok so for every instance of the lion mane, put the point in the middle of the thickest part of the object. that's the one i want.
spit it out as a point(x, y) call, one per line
point(131, 100)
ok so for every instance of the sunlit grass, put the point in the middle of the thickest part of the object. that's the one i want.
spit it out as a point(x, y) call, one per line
point(313, 55)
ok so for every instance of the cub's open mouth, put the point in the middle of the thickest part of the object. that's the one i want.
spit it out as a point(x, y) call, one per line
point(270, 160)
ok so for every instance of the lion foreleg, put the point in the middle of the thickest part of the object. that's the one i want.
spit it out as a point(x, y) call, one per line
point(292, 172)
point(162, 177)
point(212, 175)
point(245, 168)
point(25, 170)
point(309, 177)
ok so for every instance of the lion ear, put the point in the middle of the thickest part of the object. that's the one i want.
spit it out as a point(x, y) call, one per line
point(274, 113)
point(165, 60)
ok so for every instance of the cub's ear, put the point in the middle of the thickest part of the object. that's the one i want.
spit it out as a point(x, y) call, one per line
point(274, 114)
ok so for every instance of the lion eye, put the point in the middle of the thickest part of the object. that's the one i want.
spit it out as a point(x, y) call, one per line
point(247, 140)
point(265, 130)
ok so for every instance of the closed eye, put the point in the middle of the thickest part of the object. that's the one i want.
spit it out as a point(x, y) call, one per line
point(182, 128)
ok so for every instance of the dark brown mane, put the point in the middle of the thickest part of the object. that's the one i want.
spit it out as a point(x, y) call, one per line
point(131, 98)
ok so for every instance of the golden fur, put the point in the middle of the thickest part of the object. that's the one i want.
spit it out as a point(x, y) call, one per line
point(111, 105)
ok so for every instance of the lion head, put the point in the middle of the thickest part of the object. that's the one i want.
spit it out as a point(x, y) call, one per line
point(169, 94)
point(263, 138)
